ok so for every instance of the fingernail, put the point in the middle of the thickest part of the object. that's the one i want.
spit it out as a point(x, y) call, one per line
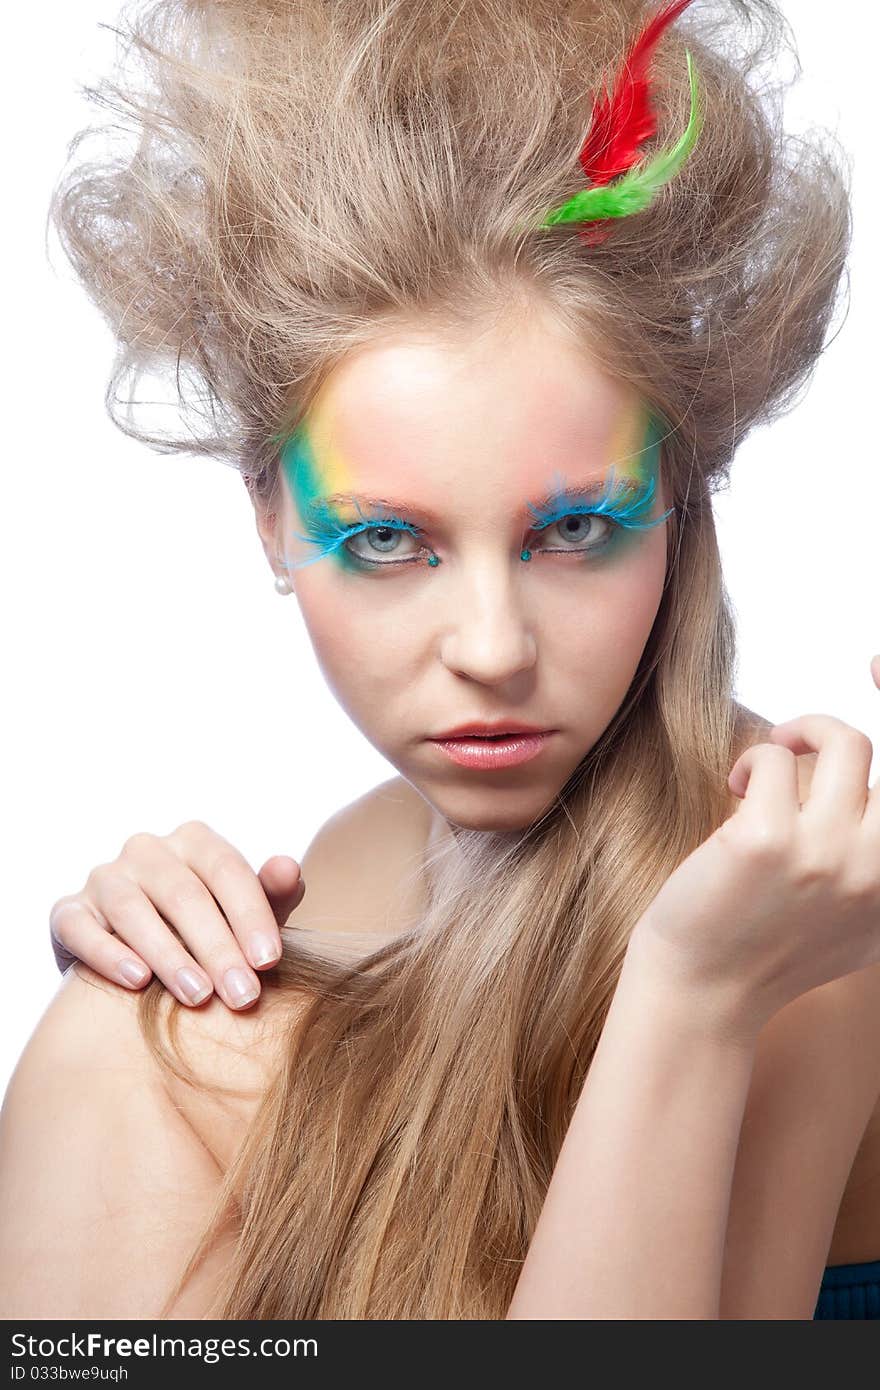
point(194, 986)
point(132, 973)
point(263, 949)
point(240, 987)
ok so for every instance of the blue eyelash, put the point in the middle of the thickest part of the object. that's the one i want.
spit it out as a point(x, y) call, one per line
point(611, 504)
point(329, 533)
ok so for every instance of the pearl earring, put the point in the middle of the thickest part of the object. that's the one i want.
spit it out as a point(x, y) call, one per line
point(282, 584)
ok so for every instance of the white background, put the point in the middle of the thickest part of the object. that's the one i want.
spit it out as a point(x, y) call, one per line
point(152, 673)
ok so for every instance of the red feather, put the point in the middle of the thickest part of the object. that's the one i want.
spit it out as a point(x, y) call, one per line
point(621, 123)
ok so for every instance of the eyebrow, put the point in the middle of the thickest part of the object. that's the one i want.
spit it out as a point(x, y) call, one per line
point(397, 507)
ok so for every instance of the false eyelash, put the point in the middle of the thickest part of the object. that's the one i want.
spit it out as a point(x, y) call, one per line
point(628, 514)
point(330, 532)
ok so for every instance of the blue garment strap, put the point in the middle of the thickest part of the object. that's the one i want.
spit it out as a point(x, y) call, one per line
point(850, 1291)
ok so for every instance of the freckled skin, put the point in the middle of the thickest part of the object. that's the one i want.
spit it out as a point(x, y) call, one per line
point(470, 430)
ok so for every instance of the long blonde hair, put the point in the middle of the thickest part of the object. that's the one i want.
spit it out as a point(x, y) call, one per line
point(305, 175)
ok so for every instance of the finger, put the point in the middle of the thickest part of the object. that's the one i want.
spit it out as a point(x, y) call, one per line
point(77, 934)
point(191, 915)
point(127, 908)
point(875, 670)
point(839, 785)
point(237, 889)
point(766, 778)
point(283, 885)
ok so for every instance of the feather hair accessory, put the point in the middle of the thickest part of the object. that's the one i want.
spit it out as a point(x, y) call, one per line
point(621, 123)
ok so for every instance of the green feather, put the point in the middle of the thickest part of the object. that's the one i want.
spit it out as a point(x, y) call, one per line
point(639, 186)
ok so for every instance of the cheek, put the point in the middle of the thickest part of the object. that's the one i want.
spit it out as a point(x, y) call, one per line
point(641, 591)
point(331, 624)
point(599, 627)
point(352, 647)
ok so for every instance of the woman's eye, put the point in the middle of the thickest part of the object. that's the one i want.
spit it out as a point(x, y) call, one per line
point(579, 527)
point(379, 541)
point(383, 545)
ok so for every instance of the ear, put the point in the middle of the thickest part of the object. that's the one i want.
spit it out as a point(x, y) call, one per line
point(269, 524)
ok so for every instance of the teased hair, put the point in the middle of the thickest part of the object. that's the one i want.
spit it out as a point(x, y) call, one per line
point(287, 180)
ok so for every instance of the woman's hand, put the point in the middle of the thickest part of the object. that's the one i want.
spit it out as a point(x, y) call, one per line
point(781, 898)
point(205, 889)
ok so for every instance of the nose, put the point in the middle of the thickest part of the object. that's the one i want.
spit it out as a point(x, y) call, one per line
point(489, 639)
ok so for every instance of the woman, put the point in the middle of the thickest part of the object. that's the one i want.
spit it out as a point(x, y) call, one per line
point(580, 994)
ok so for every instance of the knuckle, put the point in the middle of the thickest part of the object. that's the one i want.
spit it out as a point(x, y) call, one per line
point(780, 753)
point(860, 741)
point(136, 842)
point(226, 863)
point(118, 893)
point(772, 750)
point(762, 841)
point(191, 830)
point(862, 885)
point(766, 753)
point(60, 914)
point(185, 894)
point(98, 874)
point(817, 864)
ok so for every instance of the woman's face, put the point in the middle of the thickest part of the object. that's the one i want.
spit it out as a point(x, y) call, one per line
point(455, 440)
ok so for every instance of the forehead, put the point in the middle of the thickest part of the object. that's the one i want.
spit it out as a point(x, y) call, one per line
point(528, 399)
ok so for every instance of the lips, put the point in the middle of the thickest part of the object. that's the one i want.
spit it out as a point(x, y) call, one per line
point(481, 729)
point(491, 754)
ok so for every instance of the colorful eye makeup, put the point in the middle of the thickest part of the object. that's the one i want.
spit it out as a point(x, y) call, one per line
point(623, 504)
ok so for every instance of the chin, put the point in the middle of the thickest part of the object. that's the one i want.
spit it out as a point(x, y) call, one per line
point(493, 812)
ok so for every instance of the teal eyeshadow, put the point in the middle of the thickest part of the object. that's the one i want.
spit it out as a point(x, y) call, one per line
point(301, 472)
point(627, 511)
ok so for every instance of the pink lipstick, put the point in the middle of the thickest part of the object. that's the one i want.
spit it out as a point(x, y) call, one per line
point(500, 750)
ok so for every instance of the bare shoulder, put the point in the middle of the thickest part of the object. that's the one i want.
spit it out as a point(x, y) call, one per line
point(391, 816)
point(90, 1020)
point(231, 1057)
point(361, 871)
point(95, 1162)
point(364, 868)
